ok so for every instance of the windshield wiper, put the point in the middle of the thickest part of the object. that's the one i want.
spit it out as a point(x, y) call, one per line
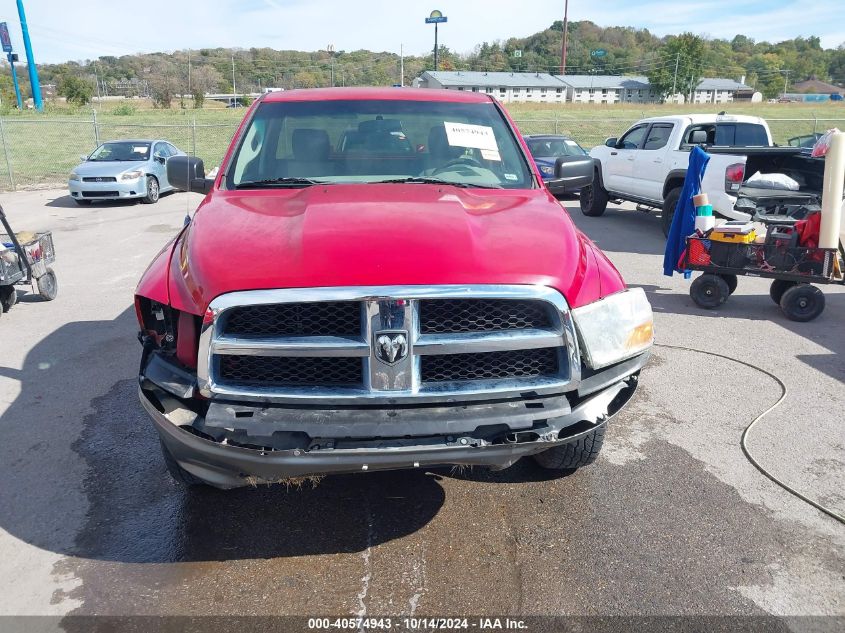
point(425, 180)
point(279, 182)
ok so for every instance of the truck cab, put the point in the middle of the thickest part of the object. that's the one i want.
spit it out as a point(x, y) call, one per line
point(377, 279)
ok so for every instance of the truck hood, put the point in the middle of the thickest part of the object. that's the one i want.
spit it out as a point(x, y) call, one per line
point(378, 235)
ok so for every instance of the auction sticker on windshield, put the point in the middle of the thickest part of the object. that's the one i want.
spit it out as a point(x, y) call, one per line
point(469, 135)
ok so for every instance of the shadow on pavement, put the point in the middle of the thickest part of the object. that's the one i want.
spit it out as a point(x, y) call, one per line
point(136, 513)
point(825, 331)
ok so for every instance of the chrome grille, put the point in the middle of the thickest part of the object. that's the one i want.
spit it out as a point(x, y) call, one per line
point(329, 318)
point(490, 365)
point(405, 344)
point(291, 371)
point(482, 315)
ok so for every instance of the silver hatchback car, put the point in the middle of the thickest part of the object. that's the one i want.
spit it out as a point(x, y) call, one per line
point(118, 170)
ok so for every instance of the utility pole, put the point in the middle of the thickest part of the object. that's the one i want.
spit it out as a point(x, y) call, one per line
point(401, 65)
point(675, 80)
point(234, 92)
point(565, 34)
point(330, 51)
point(785, 82)
point(30, 61)
point(189, 72)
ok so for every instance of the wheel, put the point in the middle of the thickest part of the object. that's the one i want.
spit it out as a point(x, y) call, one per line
point(8, 298)
point(176, 471)
point(802, 302)
point(48, 286)
point(593, 200)
point(152, 191)
point(82, 203)
point(573, 455)
point(732, 281)
point(709, 291)
point(778, 287)
point(669, 204)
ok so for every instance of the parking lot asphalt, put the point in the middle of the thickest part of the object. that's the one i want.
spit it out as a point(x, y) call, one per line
point(671, 520)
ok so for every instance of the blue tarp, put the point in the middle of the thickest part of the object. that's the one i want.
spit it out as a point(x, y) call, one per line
point(683, 222)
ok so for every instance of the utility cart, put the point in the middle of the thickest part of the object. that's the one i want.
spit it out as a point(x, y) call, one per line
point(793, 270)
point(25, 262)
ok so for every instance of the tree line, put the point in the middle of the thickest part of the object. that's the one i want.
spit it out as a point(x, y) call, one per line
point(675, 61)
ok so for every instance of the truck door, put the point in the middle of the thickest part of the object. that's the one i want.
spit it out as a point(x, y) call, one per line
point(620, 168)
point(650, 167)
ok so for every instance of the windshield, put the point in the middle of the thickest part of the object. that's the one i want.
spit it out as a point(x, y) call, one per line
point(554, 147)
point(123, 150)
point(366, 141)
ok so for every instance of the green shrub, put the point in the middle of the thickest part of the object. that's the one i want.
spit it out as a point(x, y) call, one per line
point(125, 109)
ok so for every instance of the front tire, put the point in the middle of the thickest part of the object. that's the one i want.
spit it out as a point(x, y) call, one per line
point(152, 191)
point(593, 200)
point(802, 302)
point(567, 457)
point(709, 291)
point(669, 204)
point(8, 298)
point(778, 287)
point(48, 285)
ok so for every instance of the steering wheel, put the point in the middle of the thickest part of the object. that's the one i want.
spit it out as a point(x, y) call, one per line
point(462, 160)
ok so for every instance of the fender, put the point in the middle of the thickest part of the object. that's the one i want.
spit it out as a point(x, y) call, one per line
point(673, 178)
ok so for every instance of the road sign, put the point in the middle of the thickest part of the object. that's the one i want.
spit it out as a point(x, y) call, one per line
point(599, 52)
point(4, 37)
point(517, 53)
point(436, 17)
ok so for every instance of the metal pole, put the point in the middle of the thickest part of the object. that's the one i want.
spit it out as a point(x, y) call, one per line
point(401, 65)
point(17, 85)
point(435, 46)
point(30, 61)
point(96, 128)
point(563, 46)
point(675, 80)
point(194, 136)
point(6, 153)
point(234, 92)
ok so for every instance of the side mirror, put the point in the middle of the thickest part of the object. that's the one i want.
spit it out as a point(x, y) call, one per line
point(575, 172)
point(611, 142)
point(187, 173)
point(83, 157)
point(160, 158)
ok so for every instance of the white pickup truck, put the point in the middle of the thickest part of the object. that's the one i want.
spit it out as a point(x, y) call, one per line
point(648, 163)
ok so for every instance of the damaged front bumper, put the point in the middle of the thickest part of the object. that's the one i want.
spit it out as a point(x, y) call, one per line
point(231, 444)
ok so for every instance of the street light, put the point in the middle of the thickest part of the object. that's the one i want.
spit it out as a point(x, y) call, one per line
point(435, 18)
point(330, 51)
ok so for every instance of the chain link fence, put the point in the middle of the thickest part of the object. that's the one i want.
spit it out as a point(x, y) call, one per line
point(42, 152)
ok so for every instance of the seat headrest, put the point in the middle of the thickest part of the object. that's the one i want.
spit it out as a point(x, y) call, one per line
point(438, 144)
point(310, 144)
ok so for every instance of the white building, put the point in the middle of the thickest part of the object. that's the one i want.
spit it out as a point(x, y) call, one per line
point(506, 87)
point(718, 90)
point(513, 87)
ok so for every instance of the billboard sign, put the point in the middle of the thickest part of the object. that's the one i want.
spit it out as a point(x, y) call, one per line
point(4, 37)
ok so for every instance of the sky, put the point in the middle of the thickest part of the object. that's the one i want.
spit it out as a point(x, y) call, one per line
point(87, 29)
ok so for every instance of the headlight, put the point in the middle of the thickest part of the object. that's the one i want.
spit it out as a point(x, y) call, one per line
point(132, 175)
point(614, 328)
point(73, 176)
point(549, 171)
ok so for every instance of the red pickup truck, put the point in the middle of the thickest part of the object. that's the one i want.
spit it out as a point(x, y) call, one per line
point(378, 279)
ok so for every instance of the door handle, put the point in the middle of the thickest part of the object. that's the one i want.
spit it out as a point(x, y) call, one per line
point(630, 158)
point(613, 153)
point(658, 160)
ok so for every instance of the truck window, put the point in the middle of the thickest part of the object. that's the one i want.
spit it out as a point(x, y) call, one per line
point(633, 139)
point(729, 134)
point(361, 141)
point(658, 136)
